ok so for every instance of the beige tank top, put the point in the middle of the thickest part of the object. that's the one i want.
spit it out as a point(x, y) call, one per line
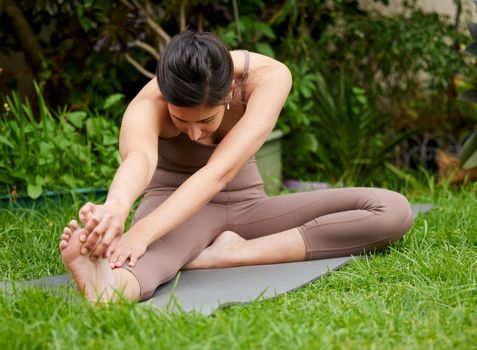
point(183, 155)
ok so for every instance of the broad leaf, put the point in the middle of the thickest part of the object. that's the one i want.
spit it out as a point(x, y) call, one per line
point(112, 100)
point(308, 141)
point(109, 139)
point(5, 141)
point(266, 29)
point(76, 118)
point(471, 162)
point(265, 49)
point(34, 190)
point(69, 180)
point(468, 155)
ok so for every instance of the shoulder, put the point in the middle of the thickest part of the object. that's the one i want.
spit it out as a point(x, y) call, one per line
point(149, 101)
point(257, 61)
point(151, 91)
point(262, 69)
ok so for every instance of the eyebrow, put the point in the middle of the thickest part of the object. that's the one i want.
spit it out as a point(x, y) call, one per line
point(182, 120)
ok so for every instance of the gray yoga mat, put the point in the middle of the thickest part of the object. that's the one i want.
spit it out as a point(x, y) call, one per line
point(206, 290)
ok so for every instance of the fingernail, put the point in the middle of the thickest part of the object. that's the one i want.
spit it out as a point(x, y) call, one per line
point(82, 238)
point(84, 251)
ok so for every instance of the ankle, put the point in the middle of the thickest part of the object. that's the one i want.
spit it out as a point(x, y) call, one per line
point(126, 284)
point(241, 253)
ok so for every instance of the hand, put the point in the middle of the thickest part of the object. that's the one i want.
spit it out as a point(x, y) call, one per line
point(104, 224)
point(130, 246)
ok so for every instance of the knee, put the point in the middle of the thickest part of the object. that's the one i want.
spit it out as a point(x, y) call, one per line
point(398, 217)
point(392, 219)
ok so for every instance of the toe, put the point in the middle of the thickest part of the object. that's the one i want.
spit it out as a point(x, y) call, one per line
point(63, 244)
point(66, 233)
point(74, 225)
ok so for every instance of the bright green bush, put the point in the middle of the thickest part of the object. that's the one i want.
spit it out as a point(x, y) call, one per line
point(46, 150)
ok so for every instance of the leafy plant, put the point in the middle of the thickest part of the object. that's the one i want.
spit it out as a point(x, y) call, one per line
point(343, 138)
point(355, 144)
point(62, 150)
point(249, 32)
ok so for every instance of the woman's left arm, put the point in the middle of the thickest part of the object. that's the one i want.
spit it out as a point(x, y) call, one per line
point(270, 92)
point(271, 86)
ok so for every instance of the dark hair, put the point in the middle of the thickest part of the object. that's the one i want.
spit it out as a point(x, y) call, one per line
point(195, 69)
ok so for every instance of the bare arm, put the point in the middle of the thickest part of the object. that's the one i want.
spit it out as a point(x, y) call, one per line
point(265, 103)
point(138, 149)
point(138, 144)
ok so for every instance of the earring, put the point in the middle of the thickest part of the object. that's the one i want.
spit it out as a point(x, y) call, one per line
point(228, 105)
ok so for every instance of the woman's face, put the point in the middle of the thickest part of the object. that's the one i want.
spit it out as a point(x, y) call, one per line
point(197, 122)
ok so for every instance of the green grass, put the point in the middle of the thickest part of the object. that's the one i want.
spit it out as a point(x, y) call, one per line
point(420, 293)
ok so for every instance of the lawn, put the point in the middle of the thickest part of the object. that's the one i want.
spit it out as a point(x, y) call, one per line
point(421, 293)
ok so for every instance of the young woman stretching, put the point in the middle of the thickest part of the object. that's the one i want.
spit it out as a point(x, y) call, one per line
point(187, 143)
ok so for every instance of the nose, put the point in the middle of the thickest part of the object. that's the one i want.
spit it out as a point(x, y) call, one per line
point(194, 132)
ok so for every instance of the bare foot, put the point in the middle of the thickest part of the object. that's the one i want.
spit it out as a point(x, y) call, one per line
point(94, 278)
point(223, 252)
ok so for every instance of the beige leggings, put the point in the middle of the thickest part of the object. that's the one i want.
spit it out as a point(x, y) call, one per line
point(332, 222)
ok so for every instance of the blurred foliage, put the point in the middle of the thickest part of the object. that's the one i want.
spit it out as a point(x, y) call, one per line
point(419, 61)
point(344, 140)
point(396, 73)
point(85, 41)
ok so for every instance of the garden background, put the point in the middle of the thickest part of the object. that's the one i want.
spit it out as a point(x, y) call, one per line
point(376, 101)
point(374, 97)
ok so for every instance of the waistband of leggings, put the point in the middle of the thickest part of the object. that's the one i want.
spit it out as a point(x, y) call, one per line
point(248, 178)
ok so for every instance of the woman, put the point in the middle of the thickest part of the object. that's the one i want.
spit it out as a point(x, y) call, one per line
point(187, 143)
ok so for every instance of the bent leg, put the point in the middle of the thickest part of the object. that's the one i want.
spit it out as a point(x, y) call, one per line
point(165, 257)
point(332, 223)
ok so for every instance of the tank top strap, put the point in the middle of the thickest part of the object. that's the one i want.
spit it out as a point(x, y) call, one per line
point(245, 73)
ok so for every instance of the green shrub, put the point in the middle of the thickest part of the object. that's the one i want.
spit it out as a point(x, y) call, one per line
point(396, 58)
point(56, 150)
point(340, 136)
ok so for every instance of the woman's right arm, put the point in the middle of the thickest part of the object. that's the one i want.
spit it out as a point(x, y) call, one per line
point(138, 147)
